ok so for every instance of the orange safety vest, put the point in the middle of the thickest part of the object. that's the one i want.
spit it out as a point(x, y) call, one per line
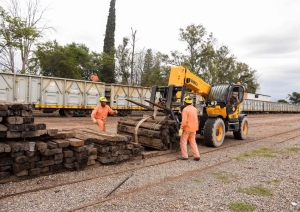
point(189, 121)
point(101, 112)
point(94, 78)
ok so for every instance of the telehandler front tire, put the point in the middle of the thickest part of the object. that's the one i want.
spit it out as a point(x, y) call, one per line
point(214, 132)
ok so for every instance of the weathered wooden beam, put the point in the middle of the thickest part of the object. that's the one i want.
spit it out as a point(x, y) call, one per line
point(141, 131)
point(155, 143)
point(3, 128)
point(151, 126)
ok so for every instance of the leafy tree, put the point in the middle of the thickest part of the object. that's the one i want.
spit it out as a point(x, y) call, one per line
point(208, 66)
point(294, 98)
point(148, 65)
point(10, 32)
point(129, 61)
point(98, 61)
point(59, 61)
point(123, 61)
point(71, 61)
point(282, 100)
point(6, 43)
point(177, 59)
point(139, 66)
point(109, 43)
point(211, 63)
point(246, 76)
point(22, 30)
point(217, 65)
point(161, 71)
point(156, 71)
point(193, 36)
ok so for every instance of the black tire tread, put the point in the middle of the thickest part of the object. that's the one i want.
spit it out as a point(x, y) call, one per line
point(238, 134)
point(209, 135)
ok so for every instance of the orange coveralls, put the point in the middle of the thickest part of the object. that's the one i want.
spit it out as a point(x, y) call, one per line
point(94, 78)
point(100, 113)
point(189, 125)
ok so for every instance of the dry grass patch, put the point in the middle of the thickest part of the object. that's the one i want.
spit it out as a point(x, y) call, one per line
point(224, 177)
point(241, 207)
point(262, 152)
point(256, 190)
point(274, 181)
point(290, 150)
point(197, 181)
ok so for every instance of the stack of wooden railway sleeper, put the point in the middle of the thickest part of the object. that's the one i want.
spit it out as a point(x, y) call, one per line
point(158, 133)
point(29, 149)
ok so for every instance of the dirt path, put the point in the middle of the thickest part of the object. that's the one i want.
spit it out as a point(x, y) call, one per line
point(259, 174)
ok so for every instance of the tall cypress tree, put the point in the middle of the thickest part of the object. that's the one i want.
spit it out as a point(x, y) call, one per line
point(109, 44)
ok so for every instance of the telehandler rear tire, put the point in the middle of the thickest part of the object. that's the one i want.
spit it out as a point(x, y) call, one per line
point(242, 133)
point(214, 132)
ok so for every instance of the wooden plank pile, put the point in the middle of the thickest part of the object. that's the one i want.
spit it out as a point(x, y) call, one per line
point(159, 133)
point(53, 150)
point(111, 148)
point(16, 122)
point(51, 155)
point(149, 113)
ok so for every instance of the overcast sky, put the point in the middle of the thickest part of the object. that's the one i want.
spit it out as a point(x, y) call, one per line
point(265, 34)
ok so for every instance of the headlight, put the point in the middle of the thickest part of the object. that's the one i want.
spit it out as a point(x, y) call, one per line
point(213, 103)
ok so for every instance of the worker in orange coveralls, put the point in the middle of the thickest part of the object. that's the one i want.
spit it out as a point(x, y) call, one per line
point(188, 129)
point(94, 77)
point(101, 112)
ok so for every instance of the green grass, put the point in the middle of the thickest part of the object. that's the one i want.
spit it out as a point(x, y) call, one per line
point(197, 181)
point(266, 152)
point(289, 150)
point(241, 207)
point(262, 152)
point(274, 181)
point(223, 176)
point(256, 190)
point(292, 149)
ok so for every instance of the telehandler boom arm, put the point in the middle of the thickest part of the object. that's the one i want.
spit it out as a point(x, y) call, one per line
point(180, 76)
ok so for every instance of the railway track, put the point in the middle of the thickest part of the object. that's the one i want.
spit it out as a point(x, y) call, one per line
point(169, 179)
point(269, 121)
point(140, 167)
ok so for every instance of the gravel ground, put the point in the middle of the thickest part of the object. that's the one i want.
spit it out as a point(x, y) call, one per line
point(212, 184)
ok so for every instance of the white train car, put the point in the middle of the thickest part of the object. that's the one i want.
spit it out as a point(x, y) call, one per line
point(79, 97)
point(69, 96)
point(118, 94)
point(259, 103)
point(259, 97)
point(252, 106)
point(257, 106)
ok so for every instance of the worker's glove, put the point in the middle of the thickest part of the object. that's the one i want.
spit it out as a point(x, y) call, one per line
point(116, 112)
point(180, 132)
point(95, 121)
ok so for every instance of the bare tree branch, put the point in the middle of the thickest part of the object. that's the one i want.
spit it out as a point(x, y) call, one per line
point(133, 34)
